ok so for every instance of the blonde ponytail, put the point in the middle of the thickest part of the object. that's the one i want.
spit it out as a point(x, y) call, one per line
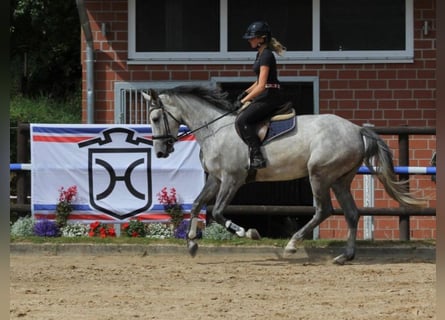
point(276, 46)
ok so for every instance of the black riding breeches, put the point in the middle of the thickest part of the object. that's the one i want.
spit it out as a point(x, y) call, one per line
point(256, 112)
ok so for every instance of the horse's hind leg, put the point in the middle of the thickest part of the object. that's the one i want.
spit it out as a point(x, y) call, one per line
point(323, 209)
point(343, 194)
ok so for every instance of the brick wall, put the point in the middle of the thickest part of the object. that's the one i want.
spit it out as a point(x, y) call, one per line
point(385, 94)
point(382, 94)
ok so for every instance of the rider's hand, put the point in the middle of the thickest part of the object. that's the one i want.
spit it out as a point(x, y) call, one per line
point(237, 104)
point(241, 96)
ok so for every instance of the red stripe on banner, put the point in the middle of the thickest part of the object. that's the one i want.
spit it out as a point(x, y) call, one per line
point(86, 216)
point(38, 138)
point(201, 216)
point(153, 216)
point(103, 217)
point(161, 216)
point(59, 139)
point(38, 216)
point(188, 138)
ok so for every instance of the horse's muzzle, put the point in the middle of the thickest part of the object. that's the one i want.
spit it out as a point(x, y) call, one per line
point(162, 154)
point(168, 149)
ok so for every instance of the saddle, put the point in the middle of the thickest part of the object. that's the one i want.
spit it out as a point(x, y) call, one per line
point(281, 122)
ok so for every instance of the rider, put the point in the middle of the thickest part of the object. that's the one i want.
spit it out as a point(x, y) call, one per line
point(264, 93)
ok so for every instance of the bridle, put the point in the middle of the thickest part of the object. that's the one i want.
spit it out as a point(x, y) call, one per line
point(170, 138)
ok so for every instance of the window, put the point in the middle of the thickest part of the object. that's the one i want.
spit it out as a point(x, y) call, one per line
point(172, 26)
point(290, 20)
point(362, 25)
point(314, 31)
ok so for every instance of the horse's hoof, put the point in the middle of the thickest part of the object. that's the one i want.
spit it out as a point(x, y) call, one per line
point(192, 247)
point(340, 260)
point(344, 257)
point(253, 234)
point(288, 251)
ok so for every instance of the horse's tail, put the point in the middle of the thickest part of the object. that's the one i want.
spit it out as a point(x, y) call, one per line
point(377, 149)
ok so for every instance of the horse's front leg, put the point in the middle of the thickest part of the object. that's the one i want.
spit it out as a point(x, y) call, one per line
point(226, 193)
point(208, 192)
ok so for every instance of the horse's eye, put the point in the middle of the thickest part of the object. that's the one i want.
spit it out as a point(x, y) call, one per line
point(154, 119)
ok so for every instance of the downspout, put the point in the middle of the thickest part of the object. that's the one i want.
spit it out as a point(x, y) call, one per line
point(85, 23)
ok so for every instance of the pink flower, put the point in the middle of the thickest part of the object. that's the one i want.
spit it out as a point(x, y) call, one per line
point(167, 198)
point(67, 195)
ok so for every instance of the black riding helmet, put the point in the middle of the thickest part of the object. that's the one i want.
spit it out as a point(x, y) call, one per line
point(258, 29)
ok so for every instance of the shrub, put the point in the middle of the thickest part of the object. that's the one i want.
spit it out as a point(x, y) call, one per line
point(46, 228)
point(42, 110)
point(64, 206)
point(134, 228)
point(102, 230)
point(215, 231)
point(169, 200)
point(73, 230)
point(181, 230)
point(23, 227)
point(159, 231)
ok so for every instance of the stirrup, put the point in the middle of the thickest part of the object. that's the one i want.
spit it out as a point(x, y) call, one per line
point(257, 163)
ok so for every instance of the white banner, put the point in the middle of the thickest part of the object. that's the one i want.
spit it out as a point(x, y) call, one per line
point(114, 168)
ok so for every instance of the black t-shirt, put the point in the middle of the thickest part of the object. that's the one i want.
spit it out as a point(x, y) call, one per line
point(266, 58)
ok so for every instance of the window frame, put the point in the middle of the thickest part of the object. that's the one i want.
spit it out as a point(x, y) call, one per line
point(316, 56)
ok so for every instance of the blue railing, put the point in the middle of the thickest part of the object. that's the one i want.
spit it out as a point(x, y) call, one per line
point(361, 170)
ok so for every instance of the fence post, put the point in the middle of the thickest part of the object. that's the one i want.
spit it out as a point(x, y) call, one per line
point(22, 157)
point(404, 227)
point(368, 201)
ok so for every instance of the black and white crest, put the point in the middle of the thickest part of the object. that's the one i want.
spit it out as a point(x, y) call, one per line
point(119, 178)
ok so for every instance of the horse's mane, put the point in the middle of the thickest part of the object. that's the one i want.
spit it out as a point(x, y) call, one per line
point(213, 96)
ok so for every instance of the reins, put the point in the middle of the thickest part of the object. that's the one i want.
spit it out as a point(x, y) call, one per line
point(184, 134)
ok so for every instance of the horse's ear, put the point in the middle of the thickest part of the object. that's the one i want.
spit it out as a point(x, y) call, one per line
point(146, 96)
point(154, 94)
point(151, 95)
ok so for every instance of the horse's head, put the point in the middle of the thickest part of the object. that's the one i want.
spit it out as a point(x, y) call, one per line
point(164, 124)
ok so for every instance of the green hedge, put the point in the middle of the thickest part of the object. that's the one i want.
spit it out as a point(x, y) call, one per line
point(42, 110)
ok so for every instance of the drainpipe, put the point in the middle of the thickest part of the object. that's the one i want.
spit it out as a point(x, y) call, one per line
point(85, 23)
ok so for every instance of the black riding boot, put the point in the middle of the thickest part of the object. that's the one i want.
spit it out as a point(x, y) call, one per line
point(257, 160)
point(249, 136)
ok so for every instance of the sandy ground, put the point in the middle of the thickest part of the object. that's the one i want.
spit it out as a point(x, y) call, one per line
point(224, 286)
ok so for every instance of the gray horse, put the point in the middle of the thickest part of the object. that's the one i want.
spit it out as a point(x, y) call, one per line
point(327, 148)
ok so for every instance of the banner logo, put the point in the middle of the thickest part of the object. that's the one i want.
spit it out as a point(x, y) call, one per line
point(119, 178)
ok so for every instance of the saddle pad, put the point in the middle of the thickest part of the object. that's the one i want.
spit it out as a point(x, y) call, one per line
point(278, 128)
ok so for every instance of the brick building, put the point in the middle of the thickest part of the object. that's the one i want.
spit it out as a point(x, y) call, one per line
point(370, 62)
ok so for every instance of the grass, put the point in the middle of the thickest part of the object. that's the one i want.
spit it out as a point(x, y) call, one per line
point(322, 243)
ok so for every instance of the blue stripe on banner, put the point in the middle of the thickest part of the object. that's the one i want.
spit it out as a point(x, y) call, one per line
point(52, 207)
point(86, 207)
point(71, 130)
point(160, 207)
point(404, 170)
point(93, 130)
